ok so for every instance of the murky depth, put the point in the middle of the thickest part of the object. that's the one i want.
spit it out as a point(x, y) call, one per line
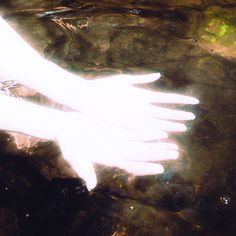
point(193, 45)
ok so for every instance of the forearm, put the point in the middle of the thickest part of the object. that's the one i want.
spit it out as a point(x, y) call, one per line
point(18, 61)
point(24, 117)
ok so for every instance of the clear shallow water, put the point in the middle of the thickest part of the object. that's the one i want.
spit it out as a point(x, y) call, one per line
point(192, 43)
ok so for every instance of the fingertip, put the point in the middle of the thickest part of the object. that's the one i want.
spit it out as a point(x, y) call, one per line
point(174, 146)
point(83, 167)
point(191, 116)
point(154, 76)
point(197, 101)
point(175, 155)
point(90, 179)
point(146, 78)
point(194, 101)
point(155, 169)
point(159, 169)
point(151, 77)
point(188, 100)
point(183, 128)
point(91, 184)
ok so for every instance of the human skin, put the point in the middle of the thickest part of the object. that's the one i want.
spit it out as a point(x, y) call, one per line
point(113, 121)
point(84, 140)
point(114, 99)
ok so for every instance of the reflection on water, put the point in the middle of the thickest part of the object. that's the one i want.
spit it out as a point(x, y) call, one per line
point(193, 44)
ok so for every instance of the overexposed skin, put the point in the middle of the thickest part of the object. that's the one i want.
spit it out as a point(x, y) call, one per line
point(113, 99)
point(113, 119)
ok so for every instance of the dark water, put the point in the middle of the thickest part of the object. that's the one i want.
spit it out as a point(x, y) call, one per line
point(193, 45)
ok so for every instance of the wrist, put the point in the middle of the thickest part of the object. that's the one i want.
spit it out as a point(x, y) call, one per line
point(55, 83)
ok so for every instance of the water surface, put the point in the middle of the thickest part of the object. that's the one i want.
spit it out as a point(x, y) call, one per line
point(193, 45)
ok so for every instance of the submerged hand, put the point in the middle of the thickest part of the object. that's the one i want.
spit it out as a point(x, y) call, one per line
point(116, 100)
point(85, 141)
point(119, 116)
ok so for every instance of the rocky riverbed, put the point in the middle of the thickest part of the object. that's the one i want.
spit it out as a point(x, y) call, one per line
point(193, 45)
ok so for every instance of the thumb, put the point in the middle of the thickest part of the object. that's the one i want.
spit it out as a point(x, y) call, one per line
point(82, 166)
point(86, 171)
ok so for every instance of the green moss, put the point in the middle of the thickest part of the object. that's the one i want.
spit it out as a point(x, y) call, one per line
point(219, 29)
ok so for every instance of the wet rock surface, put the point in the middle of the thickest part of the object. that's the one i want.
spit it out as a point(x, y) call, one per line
point(192, 43)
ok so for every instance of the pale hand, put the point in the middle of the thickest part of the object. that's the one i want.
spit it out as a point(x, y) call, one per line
point(114, 99)
point(118, 101)
point(119, 116)
point(84, 141)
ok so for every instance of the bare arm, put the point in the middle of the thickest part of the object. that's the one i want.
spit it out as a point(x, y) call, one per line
point(19, 61)
point(24, 117)
point(88, 139)
point(106, 99)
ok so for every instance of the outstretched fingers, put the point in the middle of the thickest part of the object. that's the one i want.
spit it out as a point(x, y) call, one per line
point(135, 151)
